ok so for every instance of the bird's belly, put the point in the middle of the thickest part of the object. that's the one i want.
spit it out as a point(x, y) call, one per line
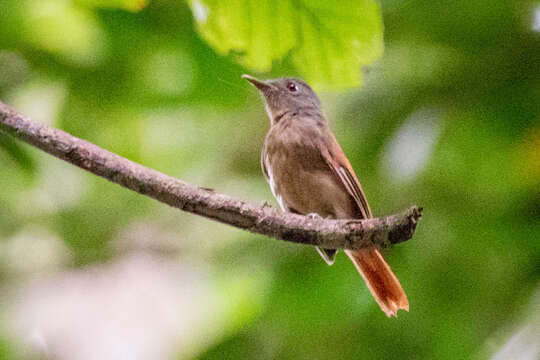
point(308, 191)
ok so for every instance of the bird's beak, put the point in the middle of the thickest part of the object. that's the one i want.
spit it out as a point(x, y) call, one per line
point(260, 84)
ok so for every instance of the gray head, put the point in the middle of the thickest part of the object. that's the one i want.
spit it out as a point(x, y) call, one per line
point(286, 95)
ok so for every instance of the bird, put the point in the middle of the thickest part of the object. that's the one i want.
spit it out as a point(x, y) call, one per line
point(309, 174)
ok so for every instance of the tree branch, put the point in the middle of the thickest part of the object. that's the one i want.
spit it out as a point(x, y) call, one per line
point(349, 234)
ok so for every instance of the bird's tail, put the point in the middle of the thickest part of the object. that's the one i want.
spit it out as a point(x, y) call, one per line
point(381, 281)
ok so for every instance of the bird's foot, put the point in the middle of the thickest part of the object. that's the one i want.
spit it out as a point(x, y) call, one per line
point(314, 216)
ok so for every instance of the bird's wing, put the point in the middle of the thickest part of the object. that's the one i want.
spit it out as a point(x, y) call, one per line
point(340, 165)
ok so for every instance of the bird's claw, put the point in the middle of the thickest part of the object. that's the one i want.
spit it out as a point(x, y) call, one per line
point(314, 216)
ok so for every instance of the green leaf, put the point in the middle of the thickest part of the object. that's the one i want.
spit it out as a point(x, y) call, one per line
point(328, 43)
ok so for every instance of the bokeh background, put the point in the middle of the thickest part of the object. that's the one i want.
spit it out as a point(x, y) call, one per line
point(447, 118)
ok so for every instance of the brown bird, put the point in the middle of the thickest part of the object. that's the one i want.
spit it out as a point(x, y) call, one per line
point(309, 173)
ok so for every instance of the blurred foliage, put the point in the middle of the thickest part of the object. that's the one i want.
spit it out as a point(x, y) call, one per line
point(327, 43)
point(133, 5)
point(448, 118)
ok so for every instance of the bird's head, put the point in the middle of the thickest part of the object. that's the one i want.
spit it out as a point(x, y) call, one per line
point(286, 95)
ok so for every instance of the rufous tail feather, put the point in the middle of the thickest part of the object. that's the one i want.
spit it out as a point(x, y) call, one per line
point(381, 281)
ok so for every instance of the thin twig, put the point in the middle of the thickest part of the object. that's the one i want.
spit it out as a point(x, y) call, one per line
point(348, 234)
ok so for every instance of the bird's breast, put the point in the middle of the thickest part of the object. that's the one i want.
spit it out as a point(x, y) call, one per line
point(300, 178)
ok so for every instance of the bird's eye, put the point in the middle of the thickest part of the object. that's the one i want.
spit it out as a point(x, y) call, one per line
point(292, 87)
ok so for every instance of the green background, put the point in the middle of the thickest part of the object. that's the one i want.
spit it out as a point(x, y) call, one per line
point(447, 118)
